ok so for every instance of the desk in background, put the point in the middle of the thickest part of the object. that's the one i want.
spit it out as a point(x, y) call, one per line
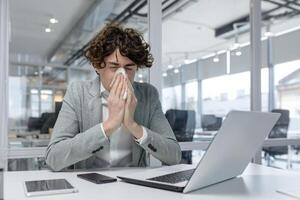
point(257, 182)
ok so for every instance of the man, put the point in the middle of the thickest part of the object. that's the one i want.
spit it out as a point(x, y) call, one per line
point(101, 126)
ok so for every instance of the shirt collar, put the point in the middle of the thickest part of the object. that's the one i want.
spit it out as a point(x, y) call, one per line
point(104, 93)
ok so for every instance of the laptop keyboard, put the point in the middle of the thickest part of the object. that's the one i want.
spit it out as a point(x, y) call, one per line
point(174, 177)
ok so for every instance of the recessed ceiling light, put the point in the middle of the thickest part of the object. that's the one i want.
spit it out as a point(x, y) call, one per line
point(47, 30)
point(268, 34)
point(176, 71)
point(238, 53)
point(189, 61)
point(140, 75)
point(165, 74)
point(53, 20)
point(170, 66)
point(216, 59)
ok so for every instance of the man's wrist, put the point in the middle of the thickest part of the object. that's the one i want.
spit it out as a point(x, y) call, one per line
point(135, 129)
point(108, 128)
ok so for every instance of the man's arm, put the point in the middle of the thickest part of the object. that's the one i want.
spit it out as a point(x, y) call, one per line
point(67, 145)
point(160, 140)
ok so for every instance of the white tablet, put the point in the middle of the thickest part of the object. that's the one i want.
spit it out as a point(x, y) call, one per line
point(48, 187)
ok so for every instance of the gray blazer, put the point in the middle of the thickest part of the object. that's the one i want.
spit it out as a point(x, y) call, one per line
point(77, 135)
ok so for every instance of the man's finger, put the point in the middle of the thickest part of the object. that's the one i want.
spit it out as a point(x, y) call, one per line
point(115, 85)
point(119, 88)
point(113, 81)
point(124, 92)
point(129, 97)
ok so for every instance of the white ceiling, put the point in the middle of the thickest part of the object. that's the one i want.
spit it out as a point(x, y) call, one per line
point(29, 19)
point(189, 30)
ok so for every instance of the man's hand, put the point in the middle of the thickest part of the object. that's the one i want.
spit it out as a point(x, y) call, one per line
point(116, 105)
point(129, 121)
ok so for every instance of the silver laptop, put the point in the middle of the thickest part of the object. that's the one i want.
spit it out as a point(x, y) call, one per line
point(240, 137)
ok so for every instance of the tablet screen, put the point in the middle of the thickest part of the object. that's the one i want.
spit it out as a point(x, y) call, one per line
point(47, 185)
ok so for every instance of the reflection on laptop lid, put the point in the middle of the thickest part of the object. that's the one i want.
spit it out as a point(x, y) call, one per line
point(240, 136)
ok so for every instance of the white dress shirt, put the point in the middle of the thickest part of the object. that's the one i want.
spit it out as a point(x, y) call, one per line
point(118, 151)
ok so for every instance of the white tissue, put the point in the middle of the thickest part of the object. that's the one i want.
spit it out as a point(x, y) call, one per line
point(122, 71)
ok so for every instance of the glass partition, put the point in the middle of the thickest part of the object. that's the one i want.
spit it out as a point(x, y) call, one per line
point(281, 57)
point(203, 55)
point(46, 55)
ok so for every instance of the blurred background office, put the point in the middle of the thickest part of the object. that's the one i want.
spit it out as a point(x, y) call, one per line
point(205, 68)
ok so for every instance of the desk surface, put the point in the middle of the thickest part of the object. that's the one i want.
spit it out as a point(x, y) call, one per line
point(257, 182)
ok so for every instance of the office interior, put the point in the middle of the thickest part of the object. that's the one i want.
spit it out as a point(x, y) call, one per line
point(202, 69)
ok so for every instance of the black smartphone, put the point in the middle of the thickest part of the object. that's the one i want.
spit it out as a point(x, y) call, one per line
point(96, 178)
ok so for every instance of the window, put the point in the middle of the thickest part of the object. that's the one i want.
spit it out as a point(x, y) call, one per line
point(171, 98)
point(287, 91)
point(191, 95)
point(224, 93)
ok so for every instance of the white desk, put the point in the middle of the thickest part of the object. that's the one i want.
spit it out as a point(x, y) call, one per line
point(257, 182)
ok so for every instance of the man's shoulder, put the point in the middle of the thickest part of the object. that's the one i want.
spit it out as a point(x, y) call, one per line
point(81, 85)
point(144, 87)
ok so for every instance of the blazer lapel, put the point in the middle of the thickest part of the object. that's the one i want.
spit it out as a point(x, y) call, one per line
point(94, 103)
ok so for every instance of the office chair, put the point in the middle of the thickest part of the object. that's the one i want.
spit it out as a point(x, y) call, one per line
point(46, 121)
point(211, 122)
point(183, 124)
point(279, 130)
point(34, 123)
point(50, 118)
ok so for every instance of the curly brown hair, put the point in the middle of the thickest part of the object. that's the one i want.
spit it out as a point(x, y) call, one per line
point(130, 43)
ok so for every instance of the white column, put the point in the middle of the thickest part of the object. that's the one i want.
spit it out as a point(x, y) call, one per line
point(4, 41)
point(200, 103)
point(155, 41)
point(271, 104)
point(40, 89)
point(255, 35)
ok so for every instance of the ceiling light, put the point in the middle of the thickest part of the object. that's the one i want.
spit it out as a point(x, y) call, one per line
point(268, 34)
point(170, 66)
point(216, 58)
point(176, 71)
point(238, 52)
point(141, 81)
point(140, 75)
point(236, 45)
point(165, 74)
point(53, 20)
point(34, 91)
point(47, 30)
point(189, 61)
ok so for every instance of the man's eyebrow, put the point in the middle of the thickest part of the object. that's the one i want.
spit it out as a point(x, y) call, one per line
point(130, 64)
point(113, 63)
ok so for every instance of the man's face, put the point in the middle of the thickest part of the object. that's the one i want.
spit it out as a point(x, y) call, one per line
point(113, 62)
